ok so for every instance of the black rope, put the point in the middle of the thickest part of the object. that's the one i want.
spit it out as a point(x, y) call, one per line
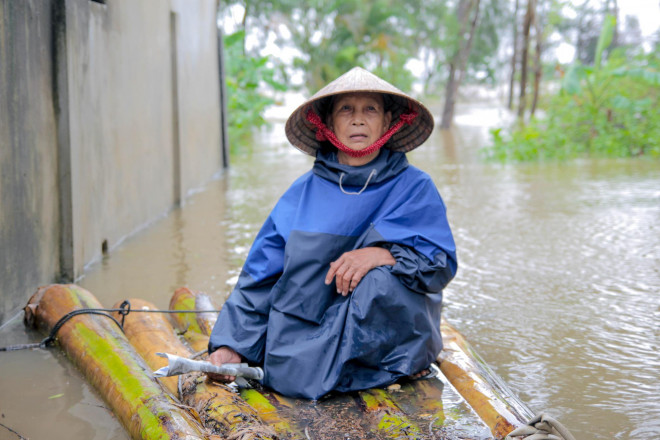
point(123, 310)
point(14, 432)
point(58, 325)
point(20, 347)
point(125, 307)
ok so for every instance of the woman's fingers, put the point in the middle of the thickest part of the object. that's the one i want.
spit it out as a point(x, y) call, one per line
point(344, 280)
point(223, 355)
point(352, 266)
point(221, 378)
point(347, 274)
point(357, 277)
point(332, 272)
point(338, 269)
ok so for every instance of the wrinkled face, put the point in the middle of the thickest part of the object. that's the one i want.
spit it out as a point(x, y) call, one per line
point(359, 119)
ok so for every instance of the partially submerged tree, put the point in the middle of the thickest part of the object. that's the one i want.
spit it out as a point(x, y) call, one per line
point(610, 108)
point(514, 55)
point(524, 56)
point(467, 15)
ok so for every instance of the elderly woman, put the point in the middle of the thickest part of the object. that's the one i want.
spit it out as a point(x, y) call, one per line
point(342, 288)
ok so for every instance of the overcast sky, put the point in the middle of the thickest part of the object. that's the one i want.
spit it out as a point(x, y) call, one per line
point(648, 12)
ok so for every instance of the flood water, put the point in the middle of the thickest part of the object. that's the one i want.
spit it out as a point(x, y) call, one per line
point(558, 285)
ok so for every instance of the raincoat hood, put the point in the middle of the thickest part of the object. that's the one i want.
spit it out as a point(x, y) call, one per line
point(385, 166)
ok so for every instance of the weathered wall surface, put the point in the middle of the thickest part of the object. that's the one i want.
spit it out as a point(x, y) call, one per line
point(109, 115)
point(144, 112)
point(29, 232)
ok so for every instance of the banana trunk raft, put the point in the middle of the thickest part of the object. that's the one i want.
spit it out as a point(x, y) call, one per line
point(466, 401)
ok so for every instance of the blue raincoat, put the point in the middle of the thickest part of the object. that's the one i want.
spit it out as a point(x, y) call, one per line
point(311, 340)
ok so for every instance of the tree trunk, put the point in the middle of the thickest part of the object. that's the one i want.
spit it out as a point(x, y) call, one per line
point(463, 60)
point(450, 98)
point(187, 299)
point(106, 358)
point(529, 17)
point(428, 55)
point(487, 395)
point(538, 68)
point(514, 57)
point(458, 64)
point(580, 43)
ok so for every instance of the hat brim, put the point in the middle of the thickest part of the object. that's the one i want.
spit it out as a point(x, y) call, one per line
point(302, 133)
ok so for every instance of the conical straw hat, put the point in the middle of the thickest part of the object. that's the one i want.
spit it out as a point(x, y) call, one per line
point(302, 133)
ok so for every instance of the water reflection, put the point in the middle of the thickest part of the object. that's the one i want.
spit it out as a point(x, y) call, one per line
point(558, 286)
point(44, 396)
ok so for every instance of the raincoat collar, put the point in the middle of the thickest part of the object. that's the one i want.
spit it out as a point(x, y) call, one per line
point(385, 166)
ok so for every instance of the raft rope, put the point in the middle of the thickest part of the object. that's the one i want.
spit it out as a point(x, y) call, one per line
point(542, 427)
point(20, 437)
point(124, 309)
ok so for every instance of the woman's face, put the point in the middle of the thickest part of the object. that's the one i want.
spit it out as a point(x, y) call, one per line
point(359, 119)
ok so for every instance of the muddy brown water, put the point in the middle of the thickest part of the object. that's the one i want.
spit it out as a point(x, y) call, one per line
point(558, 285)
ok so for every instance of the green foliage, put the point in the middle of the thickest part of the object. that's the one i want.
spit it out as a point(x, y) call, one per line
point(605, 39)
point(611, 110)
point(329, 37)
point(334, 37)
point(484, 62)
point(246, 77)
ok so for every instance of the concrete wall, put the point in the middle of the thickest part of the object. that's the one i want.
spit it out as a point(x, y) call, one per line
point(110, 114)
point(29, 231)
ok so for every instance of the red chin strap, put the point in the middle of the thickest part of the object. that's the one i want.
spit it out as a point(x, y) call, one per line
point(323, 133)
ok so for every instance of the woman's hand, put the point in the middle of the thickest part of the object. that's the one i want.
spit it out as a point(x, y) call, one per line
point(223, 355)
point(349, 269)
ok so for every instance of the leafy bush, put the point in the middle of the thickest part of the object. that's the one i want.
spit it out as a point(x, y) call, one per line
point(246, 78)
point(611, 111)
